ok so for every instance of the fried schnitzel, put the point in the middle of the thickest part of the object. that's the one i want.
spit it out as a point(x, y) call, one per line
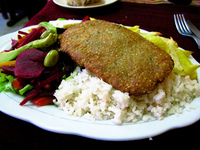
point(118, 56)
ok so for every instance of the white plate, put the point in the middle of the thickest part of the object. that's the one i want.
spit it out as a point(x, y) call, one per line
point(64, 3)
point(52, 119)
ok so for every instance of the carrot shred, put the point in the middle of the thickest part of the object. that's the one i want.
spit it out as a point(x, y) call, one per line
point(8, 63)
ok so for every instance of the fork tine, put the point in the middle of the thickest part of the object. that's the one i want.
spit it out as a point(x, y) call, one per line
point(186, 27)
point(183, 28)
point(181, 24)
point(177, 23)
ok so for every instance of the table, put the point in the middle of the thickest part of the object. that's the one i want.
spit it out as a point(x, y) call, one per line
point(15, 133)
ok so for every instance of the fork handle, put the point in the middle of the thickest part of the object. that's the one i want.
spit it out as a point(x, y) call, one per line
point(197, 40)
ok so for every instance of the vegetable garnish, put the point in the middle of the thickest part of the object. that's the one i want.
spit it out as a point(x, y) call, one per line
point(6, 83)
point(34, 35)
point(8, 63)
point(86, 18)
point(51, 58)
point(49, 29)
point(48, 38)
point(22, 67)
point(17, 84)
point(29, 64)
point(42, 101)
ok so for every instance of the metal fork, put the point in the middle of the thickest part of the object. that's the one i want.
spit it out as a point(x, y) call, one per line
point(183, 29)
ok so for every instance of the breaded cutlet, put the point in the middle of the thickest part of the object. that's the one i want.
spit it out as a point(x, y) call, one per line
point(118, 56)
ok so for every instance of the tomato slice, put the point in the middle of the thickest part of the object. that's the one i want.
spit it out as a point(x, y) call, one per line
point(42, 101)
point(86, 18)
point(17, 84)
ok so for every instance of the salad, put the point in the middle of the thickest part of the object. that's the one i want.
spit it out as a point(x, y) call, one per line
point(34, 65)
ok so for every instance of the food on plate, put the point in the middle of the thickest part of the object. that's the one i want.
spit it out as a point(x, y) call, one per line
point(81, 92)
point(85, 95)
point(183, 65)
point(34, 73)
point(48, 37)
point(29, 64)
point(81, 2)
point(51, 58)
point(118, 56)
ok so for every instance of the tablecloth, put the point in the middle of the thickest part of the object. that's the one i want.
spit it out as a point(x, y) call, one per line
point(194, 2)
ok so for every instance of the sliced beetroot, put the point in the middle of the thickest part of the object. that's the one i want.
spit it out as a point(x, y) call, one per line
point(50, 79)
point(22, 32)
point(37, 59)
point(14, 44)
point(33, 35)
point(33, 94)
point(27, 64)
point(8, 70)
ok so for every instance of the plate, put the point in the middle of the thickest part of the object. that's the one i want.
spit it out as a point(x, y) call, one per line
point(52, 119)
point(64, 3)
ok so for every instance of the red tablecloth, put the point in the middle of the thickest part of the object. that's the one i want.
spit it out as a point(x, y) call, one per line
point(193, 2)
point(16, 133)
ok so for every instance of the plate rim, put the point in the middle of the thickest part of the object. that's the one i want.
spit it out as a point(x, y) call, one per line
point(124, 132)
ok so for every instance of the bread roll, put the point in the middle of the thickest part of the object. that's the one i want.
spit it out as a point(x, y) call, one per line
point(81, 2)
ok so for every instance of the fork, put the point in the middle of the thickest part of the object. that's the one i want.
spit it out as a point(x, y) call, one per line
point(183, 28)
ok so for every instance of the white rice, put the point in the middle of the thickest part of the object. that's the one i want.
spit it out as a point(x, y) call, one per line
point(87, 96)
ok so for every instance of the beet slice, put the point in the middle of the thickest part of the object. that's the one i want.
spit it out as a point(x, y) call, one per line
point(29, 64)
point(8, 70)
